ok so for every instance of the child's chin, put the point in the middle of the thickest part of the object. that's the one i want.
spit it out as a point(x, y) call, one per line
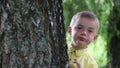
point(81, 42)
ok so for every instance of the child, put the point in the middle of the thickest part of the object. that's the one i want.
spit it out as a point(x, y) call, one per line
point(83, 30)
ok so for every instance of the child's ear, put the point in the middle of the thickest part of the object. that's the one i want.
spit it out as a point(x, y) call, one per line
point(96, 36)
point(69, 30)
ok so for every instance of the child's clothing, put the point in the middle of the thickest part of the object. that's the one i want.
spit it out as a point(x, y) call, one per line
point(83, 57)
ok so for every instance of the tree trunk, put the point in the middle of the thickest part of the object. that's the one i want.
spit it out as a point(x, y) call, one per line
point(114, 36)
point(32, 34)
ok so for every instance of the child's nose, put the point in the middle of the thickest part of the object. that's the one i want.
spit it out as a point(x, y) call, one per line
point(84, 32)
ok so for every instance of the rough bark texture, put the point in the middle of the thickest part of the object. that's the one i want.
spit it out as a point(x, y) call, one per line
point(32, 34)
point(114, 36)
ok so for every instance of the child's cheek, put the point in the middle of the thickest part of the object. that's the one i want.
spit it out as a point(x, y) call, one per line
point(77, 32)
point(90, 38)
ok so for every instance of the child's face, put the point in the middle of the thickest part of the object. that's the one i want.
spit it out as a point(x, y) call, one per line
point(83, 31)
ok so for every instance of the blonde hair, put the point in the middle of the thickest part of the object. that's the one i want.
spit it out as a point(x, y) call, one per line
point(85, 14)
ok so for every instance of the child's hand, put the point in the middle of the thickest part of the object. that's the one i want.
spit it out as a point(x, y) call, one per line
point(77, 63)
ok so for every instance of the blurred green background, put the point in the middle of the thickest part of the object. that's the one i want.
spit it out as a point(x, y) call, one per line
point(102, 9)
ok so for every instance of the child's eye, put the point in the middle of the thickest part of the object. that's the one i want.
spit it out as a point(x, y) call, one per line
point(79, 27)
point(90, 31)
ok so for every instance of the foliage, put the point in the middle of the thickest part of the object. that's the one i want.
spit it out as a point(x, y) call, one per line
point(99, 52)
point(102, 9)
point(114, 36)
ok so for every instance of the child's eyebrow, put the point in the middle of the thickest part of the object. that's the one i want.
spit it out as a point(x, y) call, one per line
point(91, 28)
point(88, 27)
point(80, 25)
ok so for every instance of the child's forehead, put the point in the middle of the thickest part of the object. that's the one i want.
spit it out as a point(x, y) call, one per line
point(83, 19)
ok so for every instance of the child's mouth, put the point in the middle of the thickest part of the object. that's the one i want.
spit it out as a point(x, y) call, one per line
point(81, 39)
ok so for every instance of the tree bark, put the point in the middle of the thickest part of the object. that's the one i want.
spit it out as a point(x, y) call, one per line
point(32, 34)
